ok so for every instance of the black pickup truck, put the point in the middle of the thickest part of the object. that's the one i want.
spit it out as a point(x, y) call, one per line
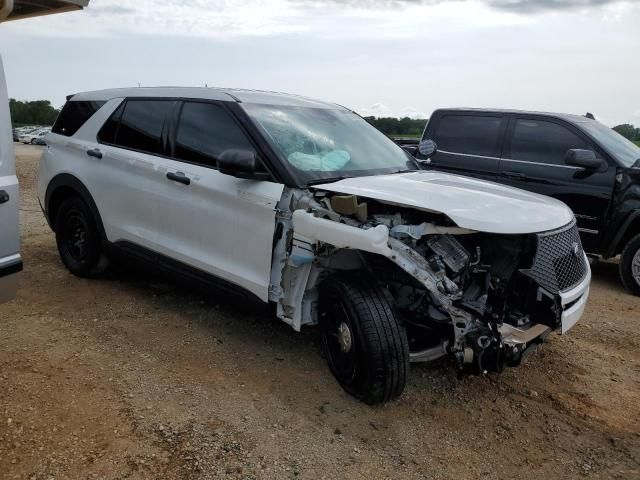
point(576, 159)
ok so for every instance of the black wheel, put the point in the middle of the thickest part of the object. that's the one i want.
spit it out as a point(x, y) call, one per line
point(78, 239)
point(33, 141)
point(630, 265)
point(365, 344)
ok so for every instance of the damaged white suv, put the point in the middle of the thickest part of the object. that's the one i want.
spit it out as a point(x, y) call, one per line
point(303, 204)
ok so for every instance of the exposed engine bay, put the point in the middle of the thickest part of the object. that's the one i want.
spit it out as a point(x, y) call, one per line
point(459, 292)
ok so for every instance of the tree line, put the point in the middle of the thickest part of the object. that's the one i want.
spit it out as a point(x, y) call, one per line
point(38, 112)
point(629, 131)
point(398, 127)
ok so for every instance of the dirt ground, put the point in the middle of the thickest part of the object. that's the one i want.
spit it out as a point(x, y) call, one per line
point(134, 377)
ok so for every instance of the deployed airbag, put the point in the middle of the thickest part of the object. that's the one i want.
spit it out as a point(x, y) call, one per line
point(320, 162)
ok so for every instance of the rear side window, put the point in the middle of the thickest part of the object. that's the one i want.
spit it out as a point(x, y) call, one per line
point(141, 125)
point(74, 115)
point(468, 134)
point(205, 130)
point(137, 125)
point(543, 142)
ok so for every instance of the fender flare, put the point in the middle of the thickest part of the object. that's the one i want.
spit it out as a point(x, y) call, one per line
point(613, 245)
point(68, 181)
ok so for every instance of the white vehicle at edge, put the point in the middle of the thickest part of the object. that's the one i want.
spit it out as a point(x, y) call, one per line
point(10, 259)
point(303, 204)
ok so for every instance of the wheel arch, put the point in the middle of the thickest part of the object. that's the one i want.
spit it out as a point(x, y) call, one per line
point(629, 229)
point(63, 186)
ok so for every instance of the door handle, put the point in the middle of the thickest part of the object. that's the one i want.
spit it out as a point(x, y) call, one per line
point(4, 197)
point(179, 177)
point(514, 175)
point(95, 153)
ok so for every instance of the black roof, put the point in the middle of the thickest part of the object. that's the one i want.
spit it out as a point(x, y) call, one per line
point(569, 117)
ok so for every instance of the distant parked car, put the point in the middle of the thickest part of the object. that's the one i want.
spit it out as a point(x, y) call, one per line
point(32, 138)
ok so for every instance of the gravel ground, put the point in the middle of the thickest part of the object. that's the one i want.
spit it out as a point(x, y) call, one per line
point(131, 376)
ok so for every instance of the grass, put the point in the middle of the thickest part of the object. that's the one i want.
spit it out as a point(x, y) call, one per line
point(637, 142)
point(405, 135)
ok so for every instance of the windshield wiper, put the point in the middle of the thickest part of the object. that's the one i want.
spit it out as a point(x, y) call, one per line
point(328, 179)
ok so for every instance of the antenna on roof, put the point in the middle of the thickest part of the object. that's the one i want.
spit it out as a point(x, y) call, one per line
point(590, 115)
point(139, 85)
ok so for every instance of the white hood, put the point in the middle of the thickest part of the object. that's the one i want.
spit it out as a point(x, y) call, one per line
point(469, 202)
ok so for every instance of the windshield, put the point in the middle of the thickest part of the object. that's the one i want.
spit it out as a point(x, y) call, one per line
point(615, 144)
point(322, 144)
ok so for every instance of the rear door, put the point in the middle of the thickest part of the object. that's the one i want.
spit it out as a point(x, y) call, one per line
point(213, 222)
point(10, 260)
point(469, 143)
point(534, 160)
point(124, 170)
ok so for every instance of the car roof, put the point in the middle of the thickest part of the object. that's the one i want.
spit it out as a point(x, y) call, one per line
point(572, 118)
point(206, 93)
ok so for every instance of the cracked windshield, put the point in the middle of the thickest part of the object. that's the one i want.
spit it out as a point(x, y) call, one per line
point(325, 143)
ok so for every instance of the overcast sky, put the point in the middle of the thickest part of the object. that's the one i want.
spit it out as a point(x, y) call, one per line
point(380, 57)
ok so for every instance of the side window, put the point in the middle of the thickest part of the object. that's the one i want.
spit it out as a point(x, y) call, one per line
point(468, 134)
point(141, 124)
point(205, 130)
point(543, 142)
point(74, 115)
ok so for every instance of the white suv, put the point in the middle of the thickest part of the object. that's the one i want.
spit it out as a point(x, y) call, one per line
point(303, 204)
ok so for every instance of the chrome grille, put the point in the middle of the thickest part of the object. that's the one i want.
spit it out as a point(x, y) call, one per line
point(559, 263)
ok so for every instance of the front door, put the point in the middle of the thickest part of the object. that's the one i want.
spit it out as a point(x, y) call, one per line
point(216, 223)
point(534, 160)
point(468, 143)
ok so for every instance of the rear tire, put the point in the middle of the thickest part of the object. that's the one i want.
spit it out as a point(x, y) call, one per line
point(365, 344)
point(630, 266)
point(33, 141)
point(78, 239)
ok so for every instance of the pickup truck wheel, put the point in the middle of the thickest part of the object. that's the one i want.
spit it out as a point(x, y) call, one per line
point(630, 265)
point(365, 345)
point(78, 239)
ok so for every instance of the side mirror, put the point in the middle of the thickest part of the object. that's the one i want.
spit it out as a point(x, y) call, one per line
point(240, 164)
point(577, 157)
point(427, 148)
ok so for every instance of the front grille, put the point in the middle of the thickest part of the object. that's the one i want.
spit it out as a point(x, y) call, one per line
point(559, 263)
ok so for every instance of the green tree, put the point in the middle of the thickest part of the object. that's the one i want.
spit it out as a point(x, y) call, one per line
point(629, 131)
point(38, 112)
point(398, 127)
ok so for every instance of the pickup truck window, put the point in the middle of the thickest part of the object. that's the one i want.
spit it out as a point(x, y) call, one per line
point(468, 134)
point(543, 142)
point(205, 130)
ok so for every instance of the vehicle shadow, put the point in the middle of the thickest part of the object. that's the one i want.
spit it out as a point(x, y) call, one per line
point(606, 272)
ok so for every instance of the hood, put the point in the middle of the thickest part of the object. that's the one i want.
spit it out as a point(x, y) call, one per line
point(469, 202)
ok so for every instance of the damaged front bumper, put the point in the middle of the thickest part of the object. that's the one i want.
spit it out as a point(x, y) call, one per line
point(574, 301)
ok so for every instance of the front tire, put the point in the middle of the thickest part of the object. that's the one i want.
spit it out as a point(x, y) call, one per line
point(630, 266)
point(365, 344)
point(78, 239)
